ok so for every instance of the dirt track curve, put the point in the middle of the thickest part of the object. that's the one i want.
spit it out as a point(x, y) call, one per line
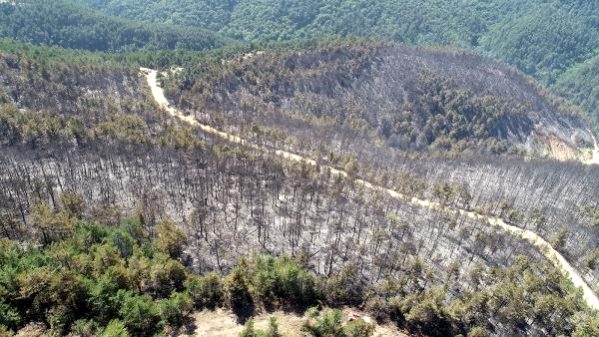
point(543, 246)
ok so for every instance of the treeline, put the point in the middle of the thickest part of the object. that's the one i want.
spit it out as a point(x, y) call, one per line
point(155, 59)
point(64, 24)
point(88, 279)
point(92, 280)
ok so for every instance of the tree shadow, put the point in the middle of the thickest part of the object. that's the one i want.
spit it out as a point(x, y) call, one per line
point(189, 326)
point(244, 309)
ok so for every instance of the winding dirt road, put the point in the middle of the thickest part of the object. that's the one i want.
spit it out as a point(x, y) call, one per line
point(543, 246)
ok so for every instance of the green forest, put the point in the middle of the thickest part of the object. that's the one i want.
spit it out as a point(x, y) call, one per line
point(542, 38)
point(67, 25)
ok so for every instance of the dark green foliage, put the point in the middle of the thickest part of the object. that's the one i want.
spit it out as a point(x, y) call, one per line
point(91, 276)
point(60, 23)
point(283, 281)
point(206, 291)
point(580, 84)
point(237, 287)
point(140, 314)
point(115, 328)
point(540, 37)
point(269, 282)
point(331, 325)
point(9, 316)
point(174, 309)
point(547, 39)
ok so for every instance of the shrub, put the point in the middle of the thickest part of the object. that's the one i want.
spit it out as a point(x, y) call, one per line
point(344, 287)
point(282, 280)
point(174, 309)
point(4, 332)
point(329, 324)
point(115, 328)
point(85, 328)
point(171, 239)
point(205, 291)
point(139, 313)
point(237, 289)
point(359, 328)
point(9, 316)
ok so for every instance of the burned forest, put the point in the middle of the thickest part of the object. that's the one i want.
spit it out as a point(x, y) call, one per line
point(436, 191)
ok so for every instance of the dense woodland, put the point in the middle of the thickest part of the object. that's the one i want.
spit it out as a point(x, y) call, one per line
point(557, 33)
point(580, 84)
point(117, 219)
point(60, 23)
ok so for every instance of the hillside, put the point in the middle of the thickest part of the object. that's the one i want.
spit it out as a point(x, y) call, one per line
point(544, 39)
point(363, 96)
point(87, 144)
point(64, 24)
point(581, 84)
point(159, 178)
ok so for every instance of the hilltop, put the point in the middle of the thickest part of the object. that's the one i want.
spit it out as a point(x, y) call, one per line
point(548, 40)
point(365, 95)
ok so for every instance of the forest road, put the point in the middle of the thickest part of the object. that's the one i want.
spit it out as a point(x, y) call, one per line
point(541, 244)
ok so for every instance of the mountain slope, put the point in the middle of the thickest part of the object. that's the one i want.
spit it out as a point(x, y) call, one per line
point(408, 99)
point(581, 84)
point(541, 38)
point(61, 23)
point(564, 32)
point(535, 240)
point(369, 249)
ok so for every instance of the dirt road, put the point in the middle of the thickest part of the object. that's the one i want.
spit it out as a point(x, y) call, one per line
point(543, 246)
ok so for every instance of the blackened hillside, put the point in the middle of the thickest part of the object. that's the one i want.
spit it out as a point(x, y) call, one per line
point(404, 98)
